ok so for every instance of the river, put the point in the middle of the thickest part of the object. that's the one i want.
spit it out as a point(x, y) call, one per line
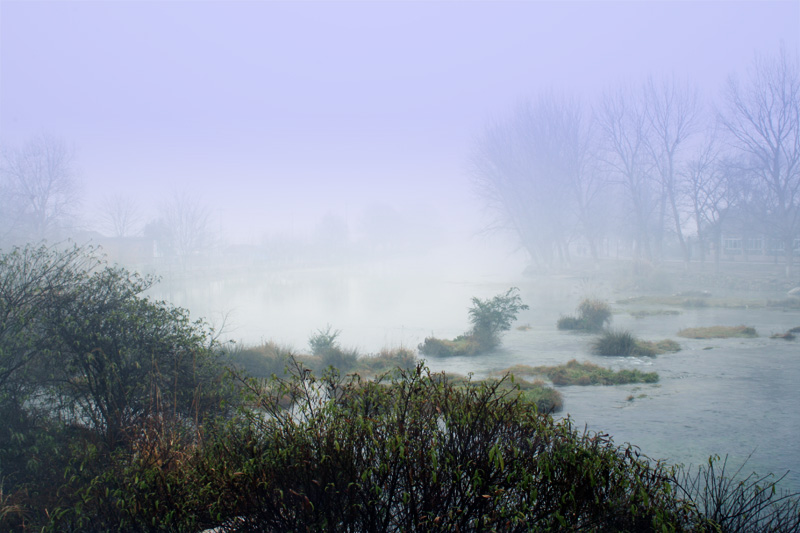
point(735, 397)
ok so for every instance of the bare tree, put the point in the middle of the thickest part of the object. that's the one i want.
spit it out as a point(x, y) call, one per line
point(120, 215)
point(185, 224)
point(531, 172)
point(673, 116)
point(622, 121)
point(763, 119)
point(714, 191)
point(39, 188)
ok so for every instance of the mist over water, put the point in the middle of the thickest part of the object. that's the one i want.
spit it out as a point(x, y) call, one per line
point(734, 397)
point(288, 166)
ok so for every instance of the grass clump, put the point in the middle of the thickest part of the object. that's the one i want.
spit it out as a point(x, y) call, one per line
point(546, 399)
point(718, 332)
point(262, 361)
point(624, 343)
point(537, 392)
point(789, 335)
point(461, 345)
point(593, 315)
point(575, 373)
point(386, 360)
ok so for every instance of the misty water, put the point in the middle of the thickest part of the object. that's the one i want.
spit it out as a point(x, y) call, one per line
point(735, 397)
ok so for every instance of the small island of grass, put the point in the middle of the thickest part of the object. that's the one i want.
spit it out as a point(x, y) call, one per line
point(575, 373)
point(718, 332)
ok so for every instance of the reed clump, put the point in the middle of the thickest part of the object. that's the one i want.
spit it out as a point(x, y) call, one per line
point(624, 343)
point(593, 315)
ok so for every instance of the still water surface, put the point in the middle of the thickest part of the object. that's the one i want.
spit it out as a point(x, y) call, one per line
point(735, 397)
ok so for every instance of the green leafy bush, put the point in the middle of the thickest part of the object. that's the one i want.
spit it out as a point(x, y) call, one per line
point(408, 454)
point(85, 360)
point(490, 318)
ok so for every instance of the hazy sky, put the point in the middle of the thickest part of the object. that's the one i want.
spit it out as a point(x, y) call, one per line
point(276, 113)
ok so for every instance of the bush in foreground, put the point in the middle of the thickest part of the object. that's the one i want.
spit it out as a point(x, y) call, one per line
point(412, 453)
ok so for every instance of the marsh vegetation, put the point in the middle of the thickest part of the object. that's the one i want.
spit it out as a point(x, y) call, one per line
point(392, 435)
point(624, 343)
point(593, 315)
point(575, 373)
point(718, 332)
point(490, 318)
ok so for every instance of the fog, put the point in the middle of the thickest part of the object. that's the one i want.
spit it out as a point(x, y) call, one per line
point(284, 166)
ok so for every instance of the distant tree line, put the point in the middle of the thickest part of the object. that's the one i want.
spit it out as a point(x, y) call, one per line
point(40, 199)
point(649, 165)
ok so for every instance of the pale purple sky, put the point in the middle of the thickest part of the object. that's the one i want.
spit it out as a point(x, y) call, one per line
point(276, 113)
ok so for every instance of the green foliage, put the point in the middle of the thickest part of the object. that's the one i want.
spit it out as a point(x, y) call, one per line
point(324, 340)
point(412, 453)
point(489, 318)
point(113, 420)
point(593, 315)
point(85, 361)
point(546, 399)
